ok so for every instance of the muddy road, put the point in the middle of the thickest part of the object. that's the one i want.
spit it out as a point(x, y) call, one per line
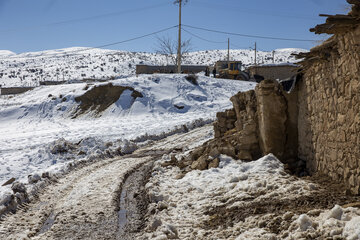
point(105, 200)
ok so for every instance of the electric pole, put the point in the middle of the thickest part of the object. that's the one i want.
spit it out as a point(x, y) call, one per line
point(273, 57)
point(228, 57)
point(255, 54)
point(179, 43)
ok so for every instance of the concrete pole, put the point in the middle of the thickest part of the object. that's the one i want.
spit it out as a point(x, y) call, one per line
point(255, 54)
point(228, 58)
point(273, 56)
point(179, 42)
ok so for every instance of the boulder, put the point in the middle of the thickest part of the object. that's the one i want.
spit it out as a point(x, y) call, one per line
point(34, 178)
point(18, 187)
point(214, 163)
point(200, 164)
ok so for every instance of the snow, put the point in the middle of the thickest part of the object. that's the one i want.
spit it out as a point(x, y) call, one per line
point(38, 133)
point(239, 185)
point(77, 63)
point(304, 222)
point(6, 53)
point(337, 222)
point(352, 229)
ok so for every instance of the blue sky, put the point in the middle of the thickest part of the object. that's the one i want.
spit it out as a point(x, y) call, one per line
point(35, 25)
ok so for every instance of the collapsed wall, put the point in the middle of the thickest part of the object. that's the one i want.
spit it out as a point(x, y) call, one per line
point(262, 121)
point(329, 101)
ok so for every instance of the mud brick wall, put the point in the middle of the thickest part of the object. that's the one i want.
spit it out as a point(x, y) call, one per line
point(329, 109)
point(274, 71)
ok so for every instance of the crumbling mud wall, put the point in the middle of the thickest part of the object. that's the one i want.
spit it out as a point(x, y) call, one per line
point(329, 101)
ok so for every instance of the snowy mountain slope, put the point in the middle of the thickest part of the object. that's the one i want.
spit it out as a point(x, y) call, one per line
point(38, 132)
point(6, 53)
point(77, 63)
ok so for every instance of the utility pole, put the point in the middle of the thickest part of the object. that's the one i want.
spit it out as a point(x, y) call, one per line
point(228, 57)
point(179, 43)
point(273, 57)
point(255, 54)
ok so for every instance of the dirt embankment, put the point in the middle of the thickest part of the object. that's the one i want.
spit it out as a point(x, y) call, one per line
point(99, 98)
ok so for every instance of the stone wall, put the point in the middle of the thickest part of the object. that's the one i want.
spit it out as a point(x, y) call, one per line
point(261, 121)
point(148, 69)
point(329, 106)
point(318, 123)
point(14, 90)
point(274, 71)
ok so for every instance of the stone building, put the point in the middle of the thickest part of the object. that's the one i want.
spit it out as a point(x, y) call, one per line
point(274, 71)
point(149, 69)
point(329, 101)
point(315, 127)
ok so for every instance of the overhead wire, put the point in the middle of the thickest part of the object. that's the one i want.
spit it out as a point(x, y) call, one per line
point(247, 35)
point(234, 45)
point(210, 41)
point(87, 18)
point(206, 4)
point(201, 38)
point(71, 53)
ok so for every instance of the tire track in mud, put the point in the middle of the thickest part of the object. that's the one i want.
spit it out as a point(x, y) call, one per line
point(79, 203)
point(85, 203)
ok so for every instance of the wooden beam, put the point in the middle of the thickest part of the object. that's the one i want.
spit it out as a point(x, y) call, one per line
point(342, 20)
point(325, 15)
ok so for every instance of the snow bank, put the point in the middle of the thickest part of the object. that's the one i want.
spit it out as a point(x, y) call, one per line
point(230, 202)
point(336, 223)
point(188, 198)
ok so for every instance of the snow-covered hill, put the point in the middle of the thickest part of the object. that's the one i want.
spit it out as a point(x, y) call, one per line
point(27, 69)
point(6, 53)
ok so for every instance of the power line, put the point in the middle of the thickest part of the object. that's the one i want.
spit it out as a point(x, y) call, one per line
point(71, 53)
point(87, 18)
point(201, 38)
point(234, 45)
point(210, 41)
point(248, 11)
point(249, 36)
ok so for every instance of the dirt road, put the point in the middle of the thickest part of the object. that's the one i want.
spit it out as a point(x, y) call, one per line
point(85, 204)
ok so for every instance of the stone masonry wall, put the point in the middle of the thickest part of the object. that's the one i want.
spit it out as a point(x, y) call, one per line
point(262, 121)
point(329, 110)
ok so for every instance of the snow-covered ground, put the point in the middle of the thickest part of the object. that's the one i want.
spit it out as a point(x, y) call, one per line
point(38, 133)
point(238, 200)
point(241, 200)
point(27, 69)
